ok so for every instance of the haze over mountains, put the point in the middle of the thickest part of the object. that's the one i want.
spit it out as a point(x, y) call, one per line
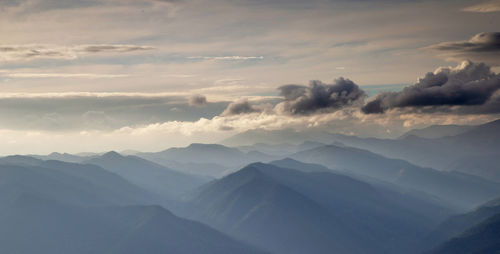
point(249, 127)
point(148, 175)
point(291, 197)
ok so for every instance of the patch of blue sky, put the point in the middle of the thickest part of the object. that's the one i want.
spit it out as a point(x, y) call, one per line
point(375, 89)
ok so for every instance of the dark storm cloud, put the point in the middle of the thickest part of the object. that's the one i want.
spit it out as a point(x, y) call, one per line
point(239, 107)
point(198, 100)
point(484, 47)
point(469, 84)
point(320, 97)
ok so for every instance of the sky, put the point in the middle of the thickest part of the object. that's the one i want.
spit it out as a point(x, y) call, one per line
point(98, 75)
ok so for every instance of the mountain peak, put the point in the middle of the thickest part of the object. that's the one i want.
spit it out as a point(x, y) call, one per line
point(253, 167)
point(112, 154)
point(206, 146)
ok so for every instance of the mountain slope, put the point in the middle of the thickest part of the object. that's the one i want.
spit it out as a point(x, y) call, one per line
point(483, 238)
point(66, 157)
point(263, 212)
point(70, 183)
point(462, 190)
point(280, 150)
point(300, 166)
point(290, 136)
point(67, 208)
point(206, 159)
point(438, 152)
point(148, 175)
point(456, 225)
point(484, 165)
point(57, 228)
point(438, 131)
point(288, 211)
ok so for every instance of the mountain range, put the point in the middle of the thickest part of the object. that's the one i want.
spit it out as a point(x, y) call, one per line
point(461, 190)
point(148, 175)
point(432, 191)
point(283, 210)
point(59, 207)
point(475, 232)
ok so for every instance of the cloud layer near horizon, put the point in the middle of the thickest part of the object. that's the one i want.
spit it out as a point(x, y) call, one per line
point(467, 89)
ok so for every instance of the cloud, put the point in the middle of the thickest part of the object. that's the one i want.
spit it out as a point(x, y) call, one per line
point(227, 58)
point(240, 107)
point(198, 100)
point(484, 47)
point(319, 97)
point(468, 84)
point(61, 112)
point(111, 48)
point(488, 6)
point(36, 6)
point(62, 75)
point(31, 52)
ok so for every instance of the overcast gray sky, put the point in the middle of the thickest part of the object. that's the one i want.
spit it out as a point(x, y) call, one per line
point(95, 75)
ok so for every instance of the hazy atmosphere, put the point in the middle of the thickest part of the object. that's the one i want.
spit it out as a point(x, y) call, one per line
point(249, 127)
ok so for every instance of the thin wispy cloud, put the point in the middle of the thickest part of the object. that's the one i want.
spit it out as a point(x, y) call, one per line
point(62, 75)
point(482, 42)
point(227, 58)
point(482, 47)
point(484, 7)
point(33, 51)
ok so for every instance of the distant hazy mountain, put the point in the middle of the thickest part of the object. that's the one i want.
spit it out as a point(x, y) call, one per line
point(300, 166)
point(483, 238)
point(462, 190)
point(437, 153)
point(485, 165)
point(70, 183)
point(62, 157)
point(288, 211)
point(283, 149)
point(279, 150)
point(206, 170)
point(148, 175)
point(417, 201)
point(219, 159)
point(438, 131)
point(284, 136)
point(20, 160)
point(456, 225)
point(435, 146)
